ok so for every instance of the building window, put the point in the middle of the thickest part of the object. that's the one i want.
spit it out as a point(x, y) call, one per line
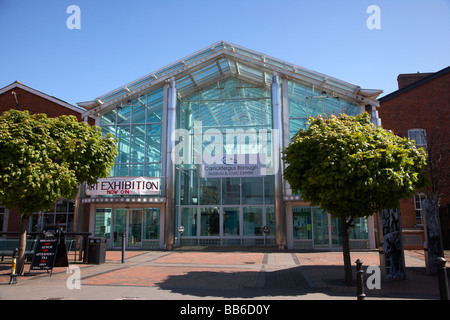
point(419, 136)
point(138, 126)
point(306, 102)
point(418, 198)
point(61, 215)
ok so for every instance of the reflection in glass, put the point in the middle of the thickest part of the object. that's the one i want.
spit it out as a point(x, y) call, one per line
point(231, 221)
point(189, 221)
point(209, 222)
point(302, 223)
point(252, 217)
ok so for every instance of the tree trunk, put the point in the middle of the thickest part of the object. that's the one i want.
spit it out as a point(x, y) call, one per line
point(346, 252)
point(22, 244)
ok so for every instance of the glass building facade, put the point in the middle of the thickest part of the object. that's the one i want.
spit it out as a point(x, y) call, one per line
point(206, 132)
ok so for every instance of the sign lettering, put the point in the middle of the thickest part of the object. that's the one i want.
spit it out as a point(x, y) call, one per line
point(120, 186)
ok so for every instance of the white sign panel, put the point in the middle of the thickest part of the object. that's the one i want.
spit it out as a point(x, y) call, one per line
point(238, 166)
point(125, 186)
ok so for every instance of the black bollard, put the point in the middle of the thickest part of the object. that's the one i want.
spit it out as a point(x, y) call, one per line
point(13, 278)
point(123, 247)
point(360, 280)
point(442, 277)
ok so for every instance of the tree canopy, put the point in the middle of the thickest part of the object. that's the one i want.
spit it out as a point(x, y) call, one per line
point(351, 168)
point(43, 159)
point(347, 165)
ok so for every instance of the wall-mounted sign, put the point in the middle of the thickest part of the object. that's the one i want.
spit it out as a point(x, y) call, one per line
point(235, 166)
point(125, 186)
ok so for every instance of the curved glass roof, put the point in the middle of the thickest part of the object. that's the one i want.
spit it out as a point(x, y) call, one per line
point(220, 61)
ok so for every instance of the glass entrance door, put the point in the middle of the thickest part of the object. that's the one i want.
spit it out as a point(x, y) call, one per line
point(320, 229)
point(119, 226)
point(135, 228)
point(128, 222)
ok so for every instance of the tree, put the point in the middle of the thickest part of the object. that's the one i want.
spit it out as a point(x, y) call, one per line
point(352, 169)
point(43, 159)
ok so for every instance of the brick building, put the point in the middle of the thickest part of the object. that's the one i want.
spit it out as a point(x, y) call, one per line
point(21, 97)
point(419, 110)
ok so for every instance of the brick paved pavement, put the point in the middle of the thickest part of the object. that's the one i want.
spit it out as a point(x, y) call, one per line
point(215, 273)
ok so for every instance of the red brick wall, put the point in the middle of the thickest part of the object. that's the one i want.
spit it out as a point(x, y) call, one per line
point(35, 104)
point(426, 106)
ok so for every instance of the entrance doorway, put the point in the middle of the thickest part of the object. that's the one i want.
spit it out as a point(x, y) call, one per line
point(128, 221)
point(326, 229)
point(141, 227)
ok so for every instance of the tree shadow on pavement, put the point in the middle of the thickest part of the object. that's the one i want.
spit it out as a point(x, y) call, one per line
point(298, 281)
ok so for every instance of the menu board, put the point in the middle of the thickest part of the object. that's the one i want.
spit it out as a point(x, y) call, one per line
point(44, 254)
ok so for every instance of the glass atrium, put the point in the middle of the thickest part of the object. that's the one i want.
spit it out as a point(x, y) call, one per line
point(210, 128)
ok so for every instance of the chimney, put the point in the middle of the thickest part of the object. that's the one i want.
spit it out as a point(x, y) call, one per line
point(409, 78)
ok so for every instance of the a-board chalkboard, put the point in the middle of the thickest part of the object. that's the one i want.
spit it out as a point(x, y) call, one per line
point(44, 254)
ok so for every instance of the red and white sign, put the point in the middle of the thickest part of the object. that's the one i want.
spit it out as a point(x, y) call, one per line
point(125, 186)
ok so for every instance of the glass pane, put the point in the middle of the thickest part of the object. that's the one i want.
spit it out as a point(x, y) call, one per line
point(61, 205)
point(270, 220)
point(189, 221)
point(295, 125)
point(136, 170)
point(152, 170)
point(231, 221)
point(154, 106)
point(359, 231)
point(231, 190)
point(135, 228)
point(123, 114)
point(336, 233)
point(121, 170)
point(153, 143)
point(269, 189)
point(123, 134)
point(137, 143)
point(252, 221)
point(331, 106)
point(120, 223)
point(151, 224)
point(315, 107)
point(109, 117)
point(320, 225)
point(210, 191)
point(301, 217)
point(108, 129)
point(189, 187)
point(139, 110)
point(209, 222)
point(252, 190)
point(349, 108)
point(102, 223)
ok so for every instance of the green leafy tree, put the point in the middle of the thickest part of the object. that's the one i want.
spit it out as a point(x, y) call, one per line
point(352, 169)
point(43, 159)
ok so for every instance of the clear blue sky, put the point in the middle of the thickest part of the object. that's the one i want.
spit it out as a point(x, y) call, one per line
point(120, 41)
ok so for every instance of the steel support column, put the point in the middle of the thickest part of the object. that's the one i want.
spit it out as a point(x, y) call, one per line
point(277, 143)
point(169, 225)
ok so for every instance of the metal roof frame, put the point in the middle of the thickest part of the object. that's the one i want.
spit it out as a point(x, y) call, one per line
point(219, 61)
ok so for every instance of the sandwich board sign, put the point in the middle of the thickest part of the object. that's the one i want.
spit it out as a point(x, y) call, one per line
point(49, 252)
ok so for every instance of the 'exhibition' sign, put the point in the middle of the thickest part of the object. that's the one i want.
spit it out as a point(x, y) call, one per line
point(123, 185)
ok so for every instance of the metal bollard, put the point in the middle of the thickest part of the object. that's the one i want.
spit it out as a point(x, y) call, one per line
point(360, 281)
point(13, 278)
point(442, 277)
point(123, 247)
